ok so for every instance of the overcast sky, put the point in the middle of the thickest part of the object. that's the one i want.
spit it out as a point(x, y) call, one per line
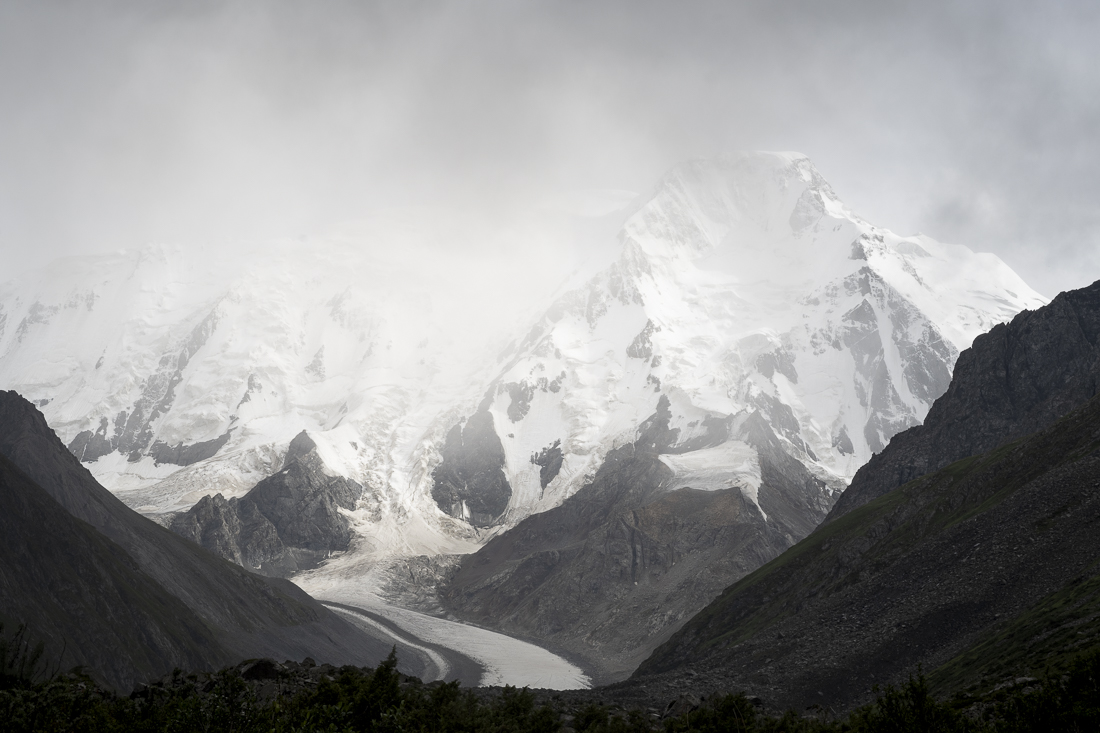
point(125, 123)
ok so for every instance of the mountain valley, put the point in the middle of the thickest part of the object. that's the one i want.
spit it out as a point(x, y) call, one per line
point(769, 447)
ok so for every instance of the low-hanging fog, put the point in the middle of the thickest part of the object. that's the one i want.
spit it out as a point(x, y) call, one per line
point(125, 123)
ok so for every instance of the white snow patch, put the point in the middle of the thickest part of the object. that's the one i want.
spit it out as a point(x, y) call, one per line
point(734, 464)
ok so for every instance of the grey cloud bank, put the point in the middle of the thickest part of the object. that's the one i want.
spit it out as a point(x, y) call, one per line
point(124, 123)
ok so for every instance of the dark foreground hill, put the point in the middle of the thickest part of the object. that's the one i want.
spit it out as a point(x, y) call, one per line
point(83, 592)
point(1018, 378)
point(125, 596)
point(982, 571)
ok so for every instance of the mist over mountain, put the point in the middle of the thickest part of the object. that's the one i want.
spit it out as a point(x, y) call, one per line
point(219, 123)
point(678, 414)
point(743, 284)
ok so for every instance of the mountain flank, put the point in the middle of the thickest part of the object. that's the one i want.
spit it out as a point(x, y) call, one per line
point(84, 596)
point(622, 563)
point(171, 602)
point(980, 572)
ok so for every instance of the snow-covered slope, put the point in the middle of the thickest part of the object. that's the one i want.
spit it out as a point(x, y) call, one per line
point(174, 372)
point(742, 284)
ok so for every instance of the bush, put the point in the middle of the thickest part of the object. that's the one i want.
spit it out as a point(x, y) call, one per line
point(20, 664)
point(910, 709)
point(1069, 701)
point(354, 700)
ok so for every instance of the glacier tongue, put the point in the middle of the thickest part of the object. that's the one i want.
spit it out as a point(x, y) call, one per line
point(743, 285)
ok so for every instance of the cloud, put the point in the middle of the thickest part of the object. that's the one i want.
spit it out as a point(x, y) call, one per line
point(130, 122)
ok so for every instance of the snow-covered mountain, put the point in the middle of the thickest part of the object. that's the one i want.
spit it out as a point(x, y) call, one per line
point(173, 373)
point(742, 284)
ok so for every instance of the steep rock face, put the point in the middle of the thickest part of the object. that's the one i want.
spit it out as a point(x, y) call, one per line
point(980, 572)
point(619, 565)
point(470, 483)
point(1014, 380)
point(549, 461)
point(288, 522)
point(131, 432)
point(248, 614)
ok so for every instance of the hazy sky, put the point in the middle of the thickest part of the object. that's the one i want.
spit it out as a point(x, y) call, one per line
point(123, 123)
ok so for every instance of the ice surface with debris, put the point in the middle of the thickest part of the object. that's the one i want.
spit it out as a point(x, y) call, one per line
point(506, 661)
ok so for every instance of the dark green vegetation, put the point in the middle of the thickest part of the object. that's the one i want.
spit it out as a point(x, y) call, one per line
point(262, 695)
point(108, 589)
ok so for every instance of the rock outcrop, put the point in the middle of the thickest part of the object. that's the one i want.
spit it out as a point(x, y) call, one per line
point(470, 483)
point(288, 522)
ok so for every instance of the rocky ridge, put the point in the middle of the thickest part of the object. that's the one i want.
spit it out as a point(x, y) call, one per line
point(619, 565)
point(1018, 378)
point(287, 523)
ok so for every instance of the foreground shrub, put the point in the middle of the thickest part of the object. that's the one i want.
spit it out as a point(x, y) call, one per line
point(21, 663)
point(381, 700)
point(1069, 702)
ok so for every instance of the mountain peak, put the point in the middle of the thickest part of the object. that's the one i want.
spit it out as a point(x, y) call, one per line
point(299, 448)
point(745, 204)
